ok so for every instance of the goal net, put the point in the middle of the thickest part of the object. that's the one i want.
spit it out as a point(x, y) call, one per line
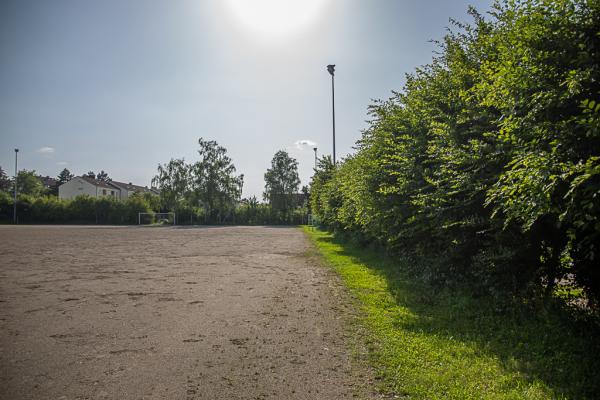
point(156, 218)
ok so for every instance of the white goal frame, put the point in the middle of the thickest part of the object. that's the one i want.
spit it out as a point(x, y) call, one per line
point(154, 215)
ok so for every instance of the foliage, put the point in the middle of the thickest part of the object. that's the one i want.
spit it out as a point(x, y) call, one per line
point(173, 181)
point(82, 209)
point(210, 183)
point(64, 176)
point(103, 176)
point(282, 182)
point(251, 212)
point(5, 181)
point(320, 190)
point(432, 343)
point(108, 210)
point(6, 206)
point(487, 163)
point(213, 181)
point(29, 183)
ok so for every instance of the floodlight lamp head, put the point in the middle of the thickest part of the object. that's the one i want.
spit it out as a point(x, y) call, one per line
point(331, 69)
point(315, 149)
point(16, 150)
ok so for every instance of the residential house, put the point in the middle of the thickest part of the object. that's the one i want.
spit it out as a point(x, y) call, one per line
point(81, 185)
point(48, 182)
point(95, 188)
point(127, 189)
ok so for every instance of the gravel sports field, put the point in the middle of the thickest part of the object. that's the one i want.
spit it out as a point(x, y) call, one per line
point(171, 313)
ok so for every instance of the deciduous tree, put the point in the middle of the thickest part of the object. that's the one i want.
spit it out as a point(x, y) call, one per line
point(210, 183)
point(282, 182)
point(29, 183)
point(5, 181)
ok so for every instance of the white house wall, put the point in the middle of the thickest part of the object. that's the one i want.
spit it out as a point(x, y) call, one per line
point(102, 191)
point(125, 194)
point(76, 187)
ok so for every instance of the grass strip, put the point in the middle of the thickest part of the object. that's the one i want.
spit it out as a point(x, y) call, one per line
point(434, 343)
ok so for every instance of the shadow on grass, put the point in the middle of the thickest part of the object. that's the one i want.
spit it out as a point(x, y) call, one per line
point(540, 342)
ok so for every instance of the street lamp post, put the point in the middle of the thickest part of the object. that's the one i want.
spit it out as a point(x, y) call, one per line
point(15, 203)
point(331, 70)
point(315, 149)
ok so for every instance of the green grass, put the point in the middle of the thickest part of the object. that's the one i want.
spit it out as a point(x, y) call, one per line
point(428, 343)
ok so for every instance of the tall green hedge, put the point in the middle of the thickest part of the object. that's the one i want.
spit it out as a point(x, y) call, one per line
point(82, 209)
point(487, 163)
point(106, 210)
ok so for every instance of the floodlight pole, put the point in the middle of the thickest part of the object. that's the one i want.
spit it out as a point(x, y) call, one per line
point(315, 149)
point(16, 175)
point(331, 70)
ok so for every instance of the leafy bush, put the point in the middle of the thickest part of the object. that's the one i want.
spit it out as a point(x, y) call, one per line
point(487, 163)
point(6, 206)
point(107, 210)
point(82, 209)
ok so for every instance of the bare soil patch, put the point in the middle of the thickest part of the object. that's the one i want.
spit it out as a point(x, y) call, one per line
point(171, 313)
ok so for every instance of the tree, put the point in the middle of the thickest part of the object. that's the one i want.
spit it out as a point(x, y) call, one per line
point(210, 183)
point(91, 174)
point(5, 181)
point(214, 182)
point(282, 182)
point(322, 176)
point(305, 190)
point(173, 181)
point(103, 177)
point(29, 183)
point(64, 176)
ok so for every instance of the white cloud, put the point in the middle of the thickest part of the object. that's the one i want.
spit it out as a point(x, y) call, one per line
point(45, 150)
point(302, 143)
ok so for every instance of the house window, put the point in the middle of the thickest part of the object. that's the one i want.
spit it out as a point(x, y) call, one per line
point(112, 192)
point(104, 192)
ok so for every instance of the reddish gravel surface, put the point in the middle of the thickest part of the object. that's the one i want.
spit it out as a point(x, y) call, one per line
point(171, 313)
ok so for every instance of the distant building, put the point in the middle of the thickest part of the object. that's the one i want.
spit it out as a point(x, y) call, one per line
point(85, 185)
point(127, 189)
point(48, 182)
point(81, 185)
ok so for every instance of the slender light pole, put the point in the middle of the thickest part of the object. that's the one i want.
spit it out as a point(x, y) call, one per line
point(315, 149)
point(15, 203)
point(331, 70)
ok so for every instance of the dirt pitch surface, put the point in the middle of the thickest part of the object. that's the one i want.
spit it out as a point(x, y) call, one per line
point(171, 313)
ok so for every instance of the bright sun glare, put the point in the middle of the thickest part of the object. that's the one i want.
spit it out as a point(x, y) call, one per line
point(275, 17)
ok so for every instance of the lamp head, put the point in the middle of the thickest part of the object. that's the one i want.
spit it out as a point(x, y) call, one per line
point(16, 150)
point(331, 69)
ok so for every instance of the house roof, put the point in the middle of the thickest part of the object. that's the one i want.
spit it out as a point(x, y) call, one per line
point(48, 181)
point(131, 187)
point(96, 182)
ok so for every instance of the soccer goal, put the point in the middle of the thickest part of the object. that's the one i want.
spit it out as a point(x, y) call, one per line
point(156, 218)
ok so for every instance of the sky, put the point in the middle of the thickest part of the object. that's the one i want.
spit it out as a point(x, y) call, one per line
point(123, 85)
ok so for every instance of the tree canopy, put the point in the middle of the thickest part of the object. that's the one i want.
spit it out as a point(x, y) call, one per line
point(64, 176)
point(210, 183)
point(103, 176)
point(29, 183)
point(281, 181)
point(5, 181)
